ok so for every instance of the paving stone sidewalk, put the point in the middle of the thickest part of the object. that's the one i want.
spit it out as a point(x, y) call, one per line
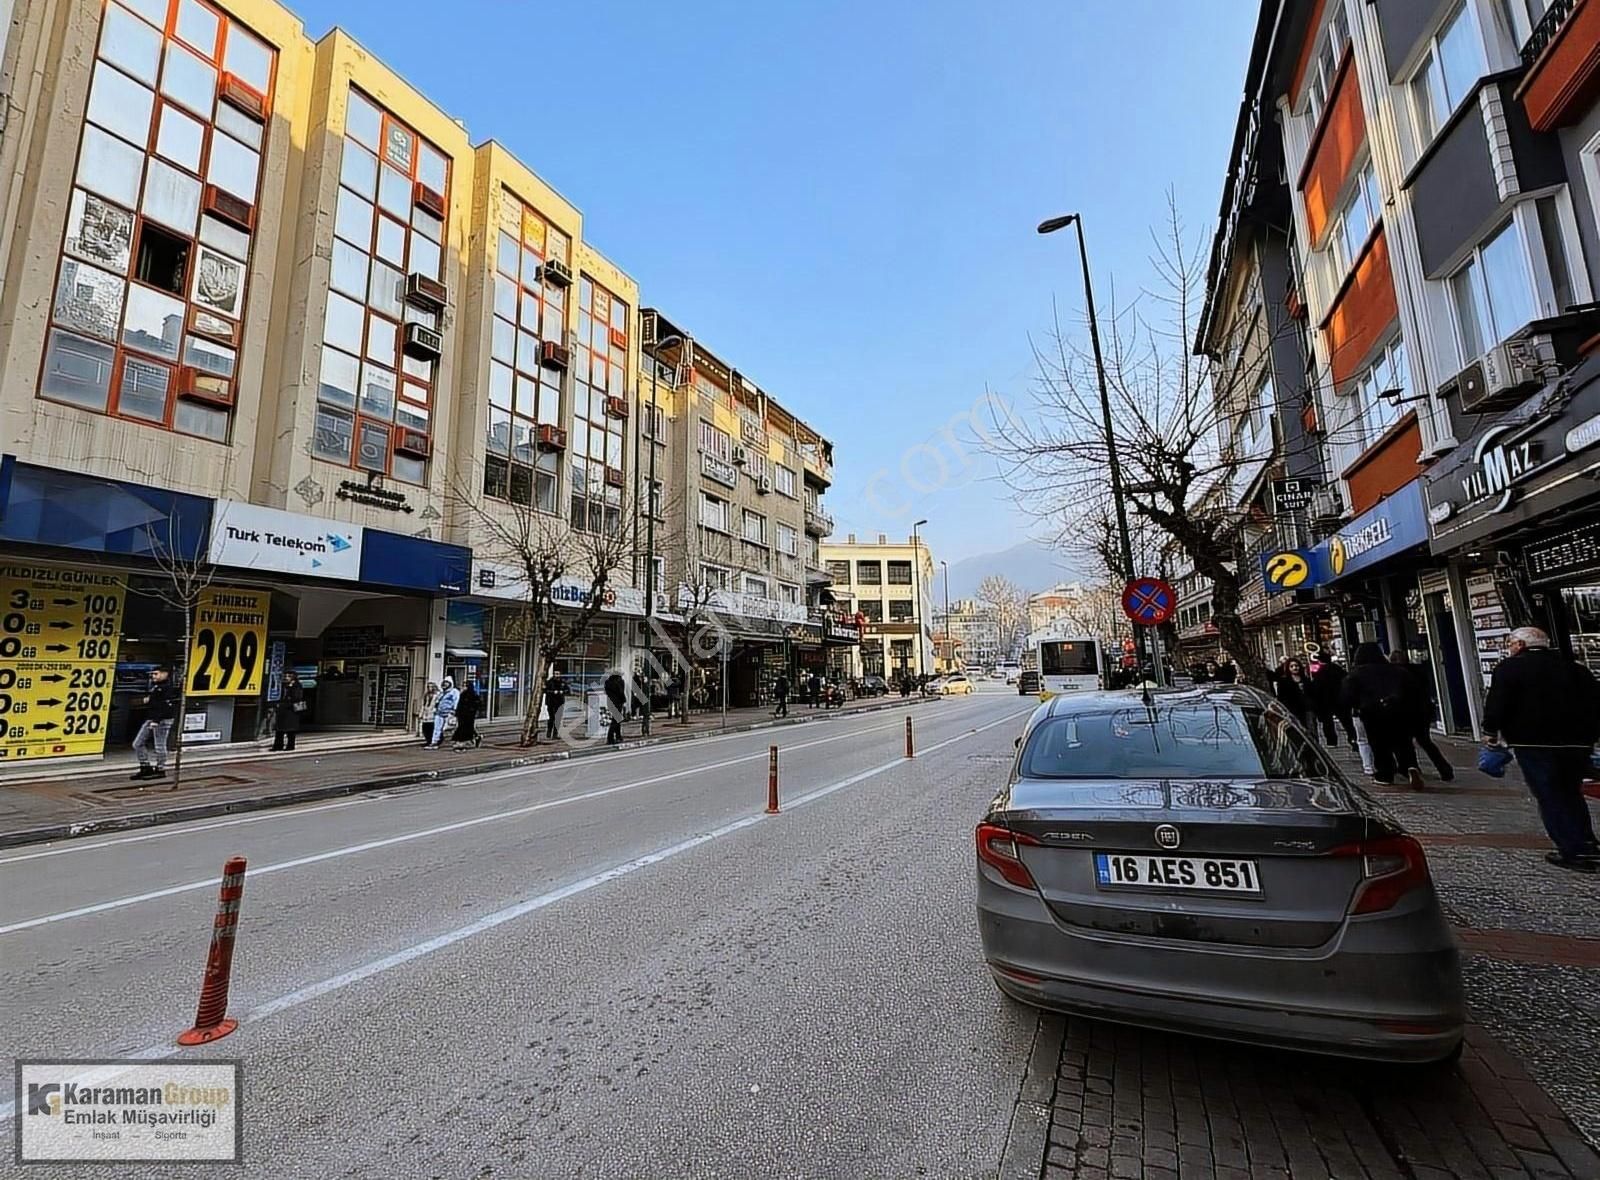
point(101, 797)
point(1524, 1101)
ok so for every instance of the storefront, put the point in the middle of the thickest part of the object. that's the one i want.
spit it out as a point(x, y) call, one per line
point(1516, 510)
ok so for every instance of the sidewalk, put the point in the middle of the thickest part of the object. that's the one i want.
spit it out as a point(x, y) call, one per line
point(1522, 1102)
point(101, 798)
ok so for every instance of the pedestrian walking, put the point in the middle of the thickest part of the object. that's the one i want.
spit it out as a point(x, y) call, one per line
point(1546, 707)
point(616, 689)
point(813, 690)
point(1422, 725)
point(150, 743)
point(1227, 671)
point(780, 692)
point(1293, 687)
point(425, 712)
point(1327, 699)
point(286, 716)
point(468, 706)
point(444, 710)
point(675, 694)
point(1386, 698)
point(555, 702)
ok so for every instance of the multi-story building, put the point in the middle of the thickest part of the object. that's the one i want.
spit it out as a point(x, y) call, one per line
point(1060, 601)
point(737, 491)
point(973, 631)
point(268, 313)
point(1439, 157)
point(891, 585)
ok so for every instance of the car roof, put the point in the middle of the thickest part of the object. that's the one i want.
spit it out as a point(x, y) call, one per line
point(1081, 703)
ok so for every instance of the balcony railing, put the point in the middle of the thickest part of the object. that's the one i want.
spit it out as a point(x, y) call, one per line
point(1555, 16)
point(818, 522)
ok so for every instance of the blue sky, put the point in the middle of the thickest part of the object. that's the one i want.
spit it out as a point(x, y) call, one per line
point(839, 197)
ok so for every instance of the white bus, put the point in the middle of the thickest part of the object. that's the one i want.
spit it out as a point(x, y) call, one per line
point(1070, 664)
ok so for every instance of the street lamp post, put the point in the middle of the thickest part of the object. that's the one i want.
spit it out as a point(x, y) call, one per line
point(1049, 226)
point(916, 589)
point(949, 633)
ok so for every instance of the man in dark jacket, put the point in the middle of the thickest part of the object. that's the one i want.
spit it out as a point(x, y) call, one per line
point(780, 693)
point(1327, 700)
point(555, 701)
point(617, 700)
point(286, 714)
point(1386, 698)
point(1547, 709)
point(1227, 671)
point(150, 743)
point(1422, 724)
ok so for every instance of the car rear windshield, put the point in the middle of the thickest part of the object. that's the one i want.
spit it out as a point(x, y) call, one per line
point(1068, 659)
point(1193, 740)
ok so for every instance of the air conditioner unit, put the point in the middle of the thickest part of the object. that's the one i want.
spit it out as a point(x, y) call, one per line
point(423, 341)
point(763, 484)
point(1326, 503)
point(740, 456)
point(414, 443)
point(616, 407)
point(428, 294)
point(1511, 370)
point(557, 272)
point(243, 97)
point(552, 438)
point(427, 199)
point(554, 356)
point(198, 386)
point(234, 210)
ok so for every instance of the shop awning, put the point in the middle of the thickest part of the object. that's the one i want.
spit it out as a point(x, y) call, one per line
point(467, 653)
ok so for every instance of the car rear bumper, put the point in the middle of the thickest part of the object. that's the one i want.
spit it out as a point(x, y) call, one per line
point(1400, 1003)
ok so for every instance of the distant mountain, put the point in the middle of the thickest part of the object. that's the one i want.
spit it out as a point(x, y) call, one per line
point(1030, 565)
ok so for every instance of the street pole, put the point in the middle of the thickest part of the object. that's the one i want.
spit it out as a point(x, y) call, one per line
point(1112, 461)
point(949, 634)
point(916, 591)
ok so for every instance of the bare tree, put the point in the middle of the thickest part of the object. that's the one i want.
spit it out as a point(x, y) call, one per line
point(1175, 416)
point(693, 629)
point(545, 552)
point(1010, 603)
point(182, 580)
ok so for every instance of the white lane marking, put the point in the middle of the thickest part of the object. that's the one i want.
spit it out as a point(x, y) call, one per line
point(520, 909)
point(424, 833)
point(177, 830)
point(166, 831)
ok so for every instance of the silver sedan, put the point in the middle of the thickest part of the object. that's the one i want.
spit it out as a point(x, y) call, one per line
point(1193, 861)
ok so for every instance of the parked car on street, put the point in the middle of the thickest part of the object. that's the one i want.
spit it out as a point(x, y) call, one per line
point(1027, 682)
point(956, 684)
point(1194, 861)
point(874, 686)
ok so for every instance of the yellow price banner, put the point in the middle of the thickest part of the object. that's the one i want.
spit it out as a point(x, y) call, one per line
point(59, 631)
point(228, 654)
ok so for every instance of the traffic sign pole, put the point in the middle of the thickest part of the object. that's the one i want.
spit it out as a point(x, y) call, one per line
point(1150, 602)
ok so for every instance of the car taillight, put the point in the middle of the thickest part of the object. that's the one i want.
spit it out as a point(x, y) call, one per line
point(997, 847)
point(1391, 867)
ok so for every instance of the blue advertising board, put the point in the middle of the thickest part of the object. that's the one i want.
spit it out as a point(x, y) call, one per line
point(1390, 527)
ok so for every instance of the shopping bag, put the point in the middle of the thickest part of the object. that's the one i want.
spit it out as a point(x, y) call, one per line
point(1493, 760)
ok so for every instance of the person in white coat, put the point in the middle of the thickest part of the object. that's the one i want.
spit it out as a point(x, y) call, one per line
point(443, 709)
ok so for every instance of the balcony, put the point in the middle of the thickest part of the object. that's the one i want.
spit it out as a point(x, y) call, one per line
point(1563, 60)
point(818, 468)
point(818, 522)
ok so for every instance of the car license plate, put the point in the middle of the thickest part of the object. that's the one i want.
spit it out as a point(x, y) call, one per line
point(1141, 870)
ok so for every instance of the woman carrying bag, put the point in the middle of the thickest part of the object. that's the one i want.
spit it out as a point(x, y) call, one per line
point(286, 716)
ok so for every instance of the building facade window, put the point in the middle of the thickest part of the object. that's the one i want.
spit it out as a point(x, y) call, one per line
point(717, 577)
point(600, 403)
point(1448, 72)
point(1330, 52)
point(789, 593)
point(1372, 413)
point(839, 571)
point(1493, 293)
point(900, 610)
point(714, 513)
point(653, 422)
point(871, 609)
point(783, 478)
point(755, 587)
point(716, 442)
point(869, 573)
point(789, 540)
point(1352, 225)
point(1522, 17)
point(755, 527)
point(150, 290)
point(376, 389)
point(524, 393)
point(899, 573)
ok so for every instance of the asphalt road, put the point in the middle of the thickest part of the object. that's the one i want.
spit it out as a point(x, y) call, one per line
point(612, 967)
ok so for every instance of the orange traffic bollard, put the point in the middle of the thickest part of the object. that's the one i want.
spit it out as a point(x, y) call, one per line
point(772, 780)
point(211, 1017)
point(910, 751)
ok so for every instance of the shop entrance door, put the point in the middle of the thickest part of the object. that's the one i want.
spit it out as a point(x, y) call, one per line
point(1447, 658)
point(507, 699)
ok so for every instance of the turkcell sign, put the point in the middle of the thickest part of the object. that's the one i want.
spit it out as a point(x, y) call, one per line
point(1389, 527)
point(248, 536)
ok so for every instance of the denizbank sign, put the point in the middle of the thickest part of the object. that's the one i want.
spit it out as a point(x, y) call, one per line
point(248, 536)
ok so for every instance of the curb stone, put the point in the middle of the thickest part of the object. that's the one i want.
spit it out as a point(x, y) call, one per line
point(181, 813)
point(1028, 1137)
